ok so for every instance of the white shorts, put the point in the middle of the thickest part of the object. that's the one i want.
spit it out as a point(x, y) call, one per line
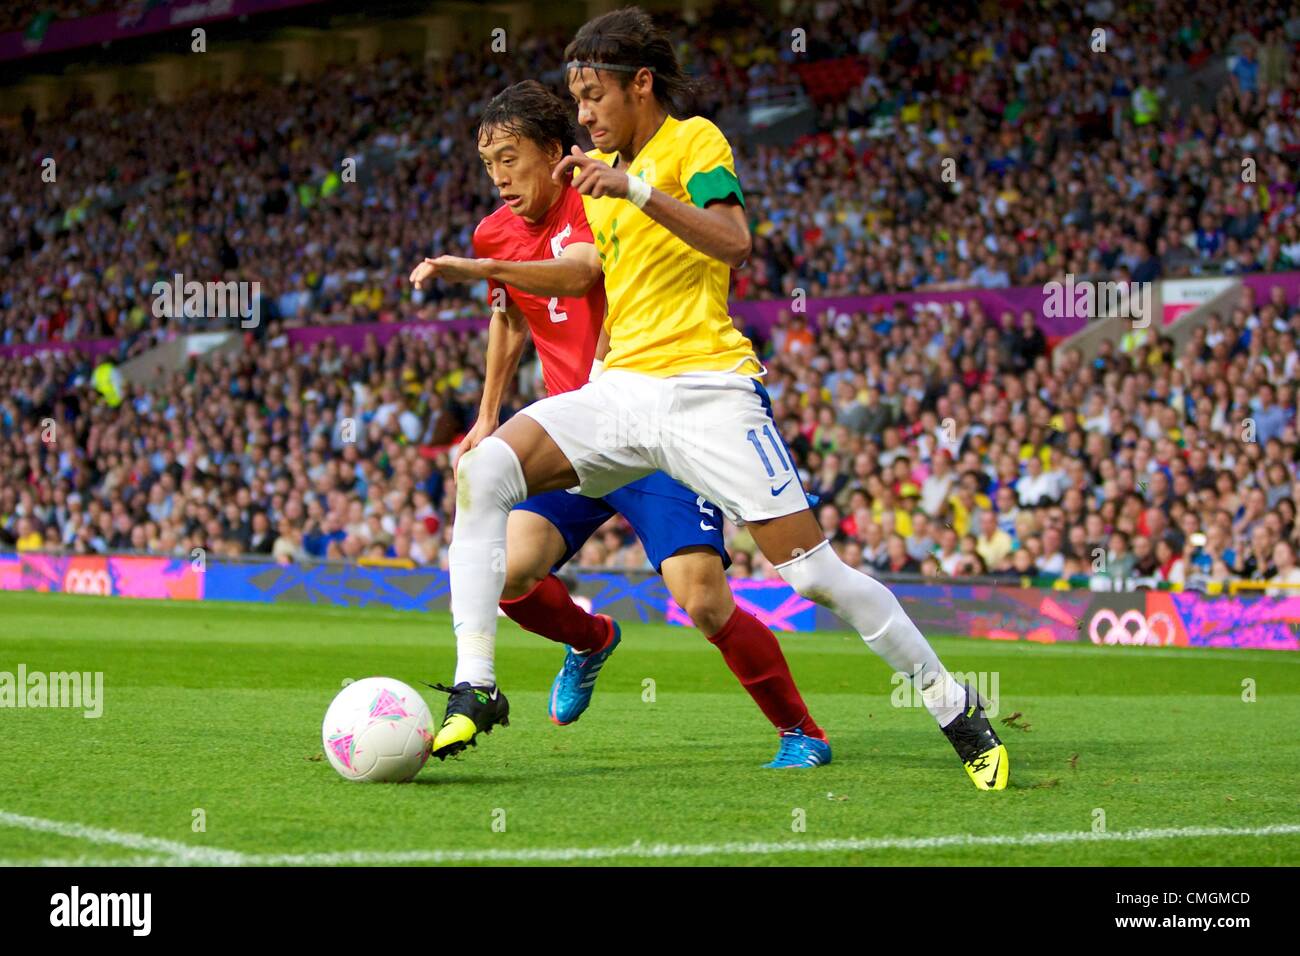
point(712, 431)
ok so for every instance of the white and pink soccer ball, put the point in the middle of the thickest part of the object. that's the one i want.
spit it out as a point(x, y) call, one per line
point(377, 730)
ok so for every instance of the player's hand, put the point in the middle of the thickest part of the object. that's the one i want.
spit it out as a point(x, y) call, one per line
point(423, 273)
point(483, 427)
point(593, 177)
point(450, 268)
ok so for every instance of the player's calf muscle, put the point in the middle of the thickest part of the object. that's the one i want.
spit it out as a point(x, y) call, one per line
point(524, 569)
point(699, 586)
point(533, 547)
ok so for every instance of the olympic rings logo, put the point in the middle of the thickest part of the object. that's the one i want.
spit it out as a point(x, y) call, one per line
point(88, 581)
point(1133, 628)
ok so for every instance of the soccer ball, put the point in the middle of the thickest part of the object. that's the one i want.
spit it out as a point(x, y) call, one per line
point(377, 730)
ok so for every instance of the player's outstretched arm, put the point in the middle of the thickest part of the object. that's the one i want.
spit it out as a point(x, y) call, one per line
point(719, 229)
point(571, 275)
point(507, 333)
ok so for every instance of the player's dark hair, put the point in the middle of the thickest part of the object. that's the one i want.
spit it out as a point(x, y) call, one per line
point(530, 111)
point(628, 38)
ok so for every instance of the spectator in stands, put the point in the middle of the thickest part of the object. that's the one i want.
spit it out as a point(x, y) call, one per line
point(1286, 576)
point(897, 560)
point(993, 544)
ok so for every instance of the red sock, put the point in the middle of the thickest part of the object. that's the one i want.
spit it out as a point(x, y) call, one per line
point(752, 652)
point(549, 611)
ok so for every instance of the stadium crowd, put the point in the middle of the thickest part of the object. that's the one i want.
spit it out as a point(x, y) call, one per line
point(936, 443)
point(1001, 155)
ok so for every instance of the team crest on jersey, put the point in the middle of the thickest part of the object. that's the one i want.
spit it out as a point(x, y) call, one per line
point(557, 240)
point(647, 172)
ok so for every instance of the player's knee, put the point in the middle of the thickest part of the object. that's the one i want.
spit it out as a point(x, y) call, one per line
point(519, 581)
point(806, 573)
point(489, 472)
point(709, 619)
point(707, 602)
point(820, 576)
point(857, 598)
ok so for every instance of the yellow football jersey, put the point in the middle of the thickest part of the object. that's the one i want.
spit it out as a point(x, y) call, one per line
point(667, 301)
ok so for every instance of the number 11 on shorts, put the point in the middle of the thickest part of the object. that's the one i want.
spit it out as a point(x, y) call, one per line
point(752, 435)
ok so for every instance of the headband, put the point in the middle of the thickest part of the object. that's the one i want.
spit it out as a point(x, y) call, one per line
point(611, 67)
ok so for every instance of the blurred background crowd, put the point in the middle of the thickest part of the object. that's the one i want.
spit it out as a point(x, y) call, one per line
point(1064, 160)
point(937, 442)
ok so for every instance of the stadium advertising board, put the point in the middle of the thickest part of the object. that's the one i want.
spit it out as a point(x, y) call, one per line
point(1180, 296)
point(991, 612)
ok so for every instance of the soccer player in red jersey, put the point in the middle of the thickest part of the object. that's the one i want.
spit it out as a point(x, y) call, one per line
point(523, 133)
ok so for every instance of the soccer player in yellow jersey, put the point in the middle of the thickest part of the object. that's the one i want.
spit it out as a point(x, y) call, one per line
point(680, 390)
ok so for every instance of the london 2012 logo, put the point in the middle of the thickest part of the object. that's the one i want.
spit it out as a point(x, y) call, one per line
point(1132, 628)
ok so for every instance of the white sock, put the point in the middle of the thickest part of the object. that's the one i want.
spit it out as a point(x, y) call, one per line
point(871, 609)
point(944, 697)
point(489, 482)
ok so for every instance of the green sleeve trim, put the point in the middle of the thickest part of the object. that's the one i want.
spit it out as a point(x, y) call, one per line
point(714, 184)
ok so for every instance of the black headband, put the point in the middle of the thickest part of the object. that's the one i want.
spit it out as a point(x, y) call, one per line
point(613, 67)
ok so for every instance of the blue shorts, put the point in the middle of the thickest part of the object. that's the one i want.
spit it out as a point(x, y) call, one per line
point(665, 514)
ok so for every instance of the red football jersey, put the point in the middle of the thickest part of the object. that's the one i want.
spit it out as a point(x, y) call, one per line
point(565, 330)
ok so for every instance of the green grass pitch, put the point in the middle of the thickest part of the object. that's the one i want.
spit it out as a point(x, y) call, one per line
point(217, 707)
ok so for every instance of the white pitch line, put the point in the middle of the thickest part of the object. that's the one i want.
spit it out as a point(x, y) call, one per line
point(680, 851)
point(178, 852)
point(171, 853)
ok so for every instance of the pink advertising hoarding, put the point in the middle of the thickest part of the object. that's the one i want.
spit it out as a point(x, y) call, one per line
point(173, 579)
